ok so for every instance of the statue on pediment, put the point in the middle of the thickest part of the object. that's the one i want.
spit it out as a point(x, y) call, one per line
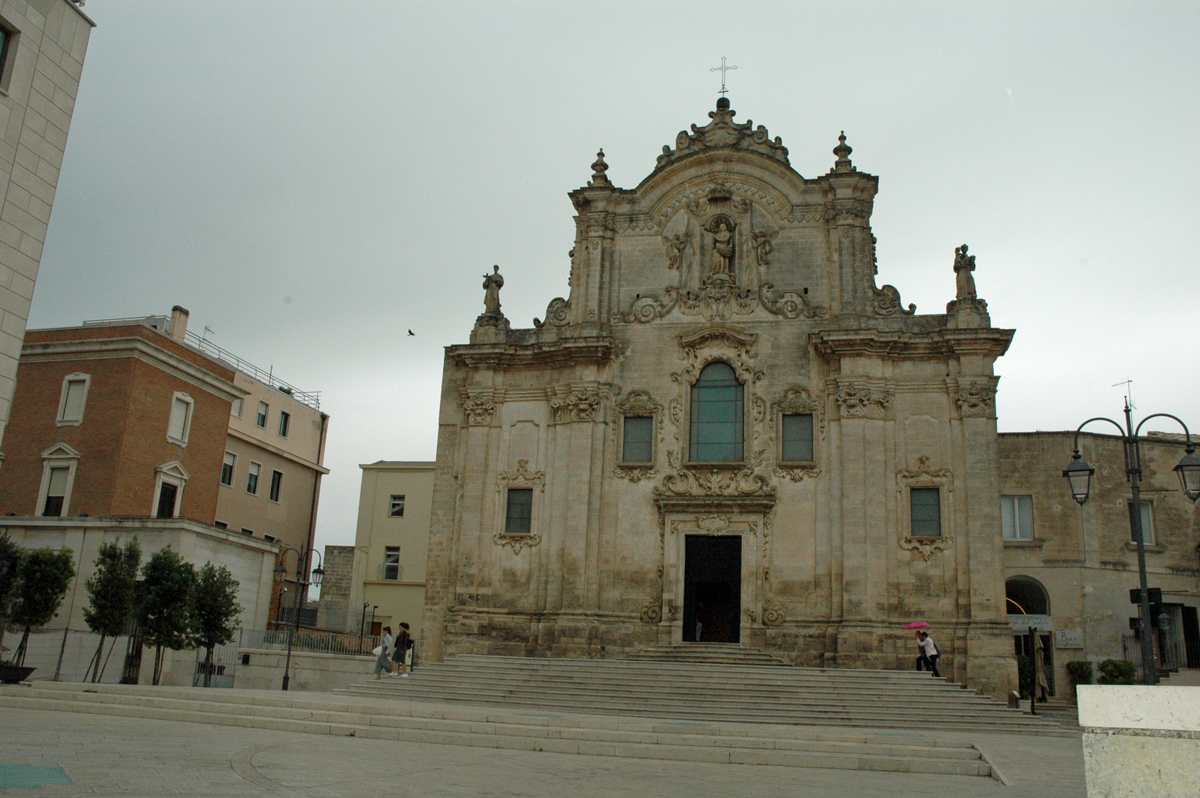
point(722, 245)
point(963, 266)
point(492, 283)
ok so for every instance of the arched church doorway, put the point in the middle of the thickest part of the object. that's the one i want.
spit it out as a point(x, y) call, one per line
point(712, 589)
point(1025, 595)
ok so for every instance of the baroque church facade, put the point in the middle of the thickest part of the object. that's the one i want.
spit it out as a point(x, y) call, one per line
point(727, 432)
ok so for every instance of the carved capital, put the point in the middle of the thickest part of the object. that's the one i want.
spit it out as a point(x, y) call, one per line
point(479, 407)
point(574, 403)
point(977, 399)
point(855, 401)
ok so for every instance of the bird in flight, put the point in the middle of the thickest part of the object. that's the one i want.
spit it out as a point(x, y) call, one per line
point(410, 332)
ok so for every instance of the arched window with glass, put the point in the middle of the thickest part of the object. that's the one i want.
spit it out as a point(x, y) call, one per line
point(717, 417)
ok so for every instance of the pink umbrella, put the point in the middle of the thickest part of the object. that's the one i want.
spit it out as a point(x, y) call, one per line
point(916, 625)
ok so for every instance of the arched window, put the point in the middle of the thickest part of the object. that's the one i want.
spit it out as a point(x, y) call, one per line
point(717, 416)
point(1026, 596)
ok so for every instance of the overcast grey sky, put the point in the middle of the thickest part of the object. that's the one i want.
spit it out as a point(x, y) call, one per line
point(313, 179)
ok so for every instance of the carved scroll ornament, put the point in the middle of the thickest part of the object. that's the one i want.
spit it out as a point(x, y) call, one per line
point(861, 402)
point(575, 404)
point(479, 408)
point(977, 400)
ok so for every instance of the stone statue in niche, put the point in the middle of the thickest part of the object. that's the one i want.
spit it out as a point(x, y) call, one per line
point(963, 266)
point(492, 283)
point(723, 247)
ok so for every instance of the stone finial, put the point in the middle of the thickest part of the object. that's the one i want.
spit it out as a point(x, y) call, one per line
point(598, 170)
point(842, 151)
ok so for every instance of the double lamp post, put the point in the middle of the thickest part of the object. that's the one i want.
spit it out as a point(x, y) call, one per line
point(1079, 475)
point(318, 573)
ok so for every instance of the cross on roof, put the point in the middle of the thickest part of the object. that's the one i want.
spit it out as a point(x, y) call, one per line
point(722, 69)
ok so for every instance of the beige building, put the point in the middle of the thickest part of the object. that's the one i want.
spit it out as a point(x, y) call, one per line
point(42, 47)
point(727, 432)
point(1077, 564)
point(381, 580)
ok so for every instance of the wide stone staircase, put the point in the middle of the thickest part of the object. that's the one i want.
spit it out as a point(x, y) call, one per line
point(709, 682)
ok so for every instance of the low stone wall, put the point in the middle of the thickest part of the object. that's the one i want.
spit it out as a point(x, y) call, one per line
point(1140, 741)
point(312, 672)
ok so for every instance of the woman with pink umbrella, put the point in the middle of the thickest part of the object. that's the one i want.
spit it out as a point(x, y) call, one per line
point(928, 650)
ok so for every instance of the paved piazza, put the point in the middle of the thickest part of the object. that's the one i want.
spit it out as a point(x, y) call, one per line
point(134, 757)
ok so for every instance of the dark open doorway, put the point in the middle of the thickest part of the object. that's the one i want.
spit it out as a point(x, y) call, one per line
point(712, 589)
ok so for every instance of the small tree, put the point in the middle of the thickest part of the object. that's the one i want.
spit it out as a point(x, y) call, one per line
point(42, 581)
point(165, 617)
point(112, 589)
point(1117, 671)
point(10, 561)
point(214, 618)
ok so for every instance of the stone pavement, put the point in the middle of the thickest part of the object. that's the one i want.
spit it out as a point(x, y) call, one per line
point(113, 756)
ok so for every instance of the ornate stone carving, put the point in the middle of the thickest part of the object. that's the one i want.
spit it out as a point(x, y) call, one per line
point(925, 475)
point(789, 304)
point(925, 546)
point(714, 481)
point(798, 474)
point(598, 170)
point(763, 242)
point(887, 302)
point(718, 299)
point(479, 407)
point(652, 610)
point(861, 402)
point(977, 399)
point(556, 314)
point(722, 131)
point(573, 403)
point(713, 523)
point(492, 283)
point(964, 281)
point(636, 403)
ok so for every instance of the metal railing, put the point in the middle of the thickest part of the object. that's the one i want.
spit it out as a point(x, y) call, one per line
point(310, 640)
point(309, 398)
point(1172, 654)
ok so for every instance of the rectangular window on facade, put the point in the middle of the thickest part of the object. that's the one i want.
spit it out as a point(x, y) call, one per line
point(74, 396)
point(8, 49)
point(227, 468)
point(220, 525)
point(276, 484)
point(391, 562)
point(249, 532)
point(519, 513)
point(269, 538)
point(925, 505)
point(166, 500)
point(181, 419)
point(397, 507)
point(261, 419)
point(797, 438)
point(1147, 523)
point(252, 479)
point(638, 440)
point(1016, 513)
point(285, 420)
point(56, 492)
point(235, 409)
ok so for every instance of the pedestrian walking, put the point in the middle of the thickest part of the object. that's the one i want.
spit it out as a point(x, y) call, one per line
point(929, 652)
point(383, 653)
point(400, 649)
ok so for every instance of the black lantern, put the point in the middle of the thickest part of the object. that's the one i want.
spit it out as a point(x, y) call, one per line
point(1189, 473)
point(1079, 474)
point(280, 572)
point(317, 575)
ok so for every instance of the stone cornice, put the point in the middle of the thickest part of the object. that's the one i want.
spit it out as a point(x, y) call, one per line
point(708, 504)
point(988, 341)
point(563, 352)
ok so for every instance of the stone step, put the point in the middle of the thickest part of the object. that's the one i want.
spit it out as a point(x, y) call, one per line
point(561, 734)
point(735, 693)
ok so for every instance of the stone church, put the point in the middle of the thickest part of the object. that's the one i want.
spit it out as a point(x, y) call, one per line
point(728, 432)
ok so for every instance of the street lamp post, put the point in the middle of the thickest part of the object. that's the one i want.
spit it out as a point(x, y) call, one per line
point(1079, 475)
point(318, 573)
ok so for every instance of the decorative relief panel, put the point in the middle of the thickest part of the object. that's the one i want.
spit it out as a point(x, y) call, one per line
point(977, 398)
point(722, 131)
point(569, 403)
point(860, 401)
point(635, 403)
point(479, 406)
point(924, 475)
point(522, 477)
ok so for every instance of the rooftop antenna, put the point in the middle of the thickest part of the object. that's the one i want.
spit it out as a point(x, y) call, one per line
point(722, 69)
point(208, 330)
point(1128, 392)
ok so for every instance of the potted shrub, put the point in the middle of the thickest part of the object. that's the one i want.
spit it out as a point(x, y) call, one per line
point(1117, 671)
point(13, 674)
point(1080, 672)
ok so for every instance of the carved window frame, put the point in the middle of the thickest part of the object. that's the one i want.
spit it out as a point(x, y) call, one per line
point(172, 473)
point(58, 456)
point(520, 478)
point(638, 404)
point(798, 401)
point(925, 476)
